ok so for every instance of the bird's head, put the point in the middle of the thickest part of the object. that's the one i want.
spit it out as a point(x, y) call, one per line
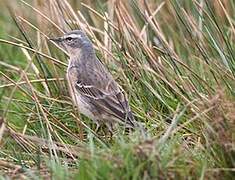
point(73, 42)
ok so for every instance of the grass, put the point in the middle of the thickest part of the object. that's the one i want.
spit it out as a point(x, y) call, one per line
point(175, 60)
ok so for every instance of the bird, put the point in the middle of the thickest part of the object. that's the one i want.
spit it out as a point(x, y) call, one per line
point(93, 89)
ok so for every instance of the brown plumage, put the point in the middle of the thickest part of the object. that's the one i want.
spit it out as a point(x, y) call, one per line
point(94, 91)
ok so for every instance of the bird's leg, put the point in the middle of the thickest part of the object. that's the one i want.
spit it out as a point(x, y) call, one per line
point(110, 129)
point(97, 127)
point(111, 134)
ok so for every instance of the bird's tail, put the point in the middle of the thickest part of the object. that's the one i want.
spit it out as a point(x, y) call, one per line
point(135, 125)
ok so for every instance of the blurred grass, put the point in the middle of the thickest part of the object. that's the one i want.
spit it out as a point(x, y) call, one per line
point(175, 59)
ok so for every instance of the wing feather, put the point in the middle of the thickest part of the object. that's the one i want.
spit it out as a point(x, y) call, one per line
point(112, 102)
point(96, 84)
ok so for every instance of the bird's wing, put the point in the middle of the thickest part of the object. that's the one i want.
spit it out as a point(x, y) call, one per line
point(110, 99)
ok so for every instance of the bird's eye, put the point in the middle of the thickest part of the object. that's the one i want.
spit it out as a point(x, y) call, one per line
point(69, 39)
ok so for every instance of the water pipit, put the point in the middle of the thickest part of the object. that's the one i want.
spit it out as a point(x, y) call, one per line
point(94, 91)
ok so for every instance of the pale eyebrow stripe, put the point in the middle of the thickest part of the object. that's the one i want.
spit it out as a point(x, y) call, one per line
point(72, 36)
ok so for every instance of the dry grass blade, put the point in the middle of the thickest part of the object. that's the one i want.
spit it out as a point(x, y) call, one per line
point(31, 81)
point(35, 51)
point(2, 128)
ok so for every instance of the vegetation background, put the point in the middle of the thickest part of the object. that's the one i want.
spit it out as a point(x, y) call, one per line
point(176, 61)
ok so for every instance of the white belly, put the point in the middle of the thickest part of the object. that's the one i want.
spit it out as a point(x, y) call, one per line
point(83, 107)
point(79, 102)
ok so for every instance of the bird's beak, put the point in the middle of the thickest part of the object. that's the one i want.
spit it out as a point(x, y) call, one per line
point(56, 40)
